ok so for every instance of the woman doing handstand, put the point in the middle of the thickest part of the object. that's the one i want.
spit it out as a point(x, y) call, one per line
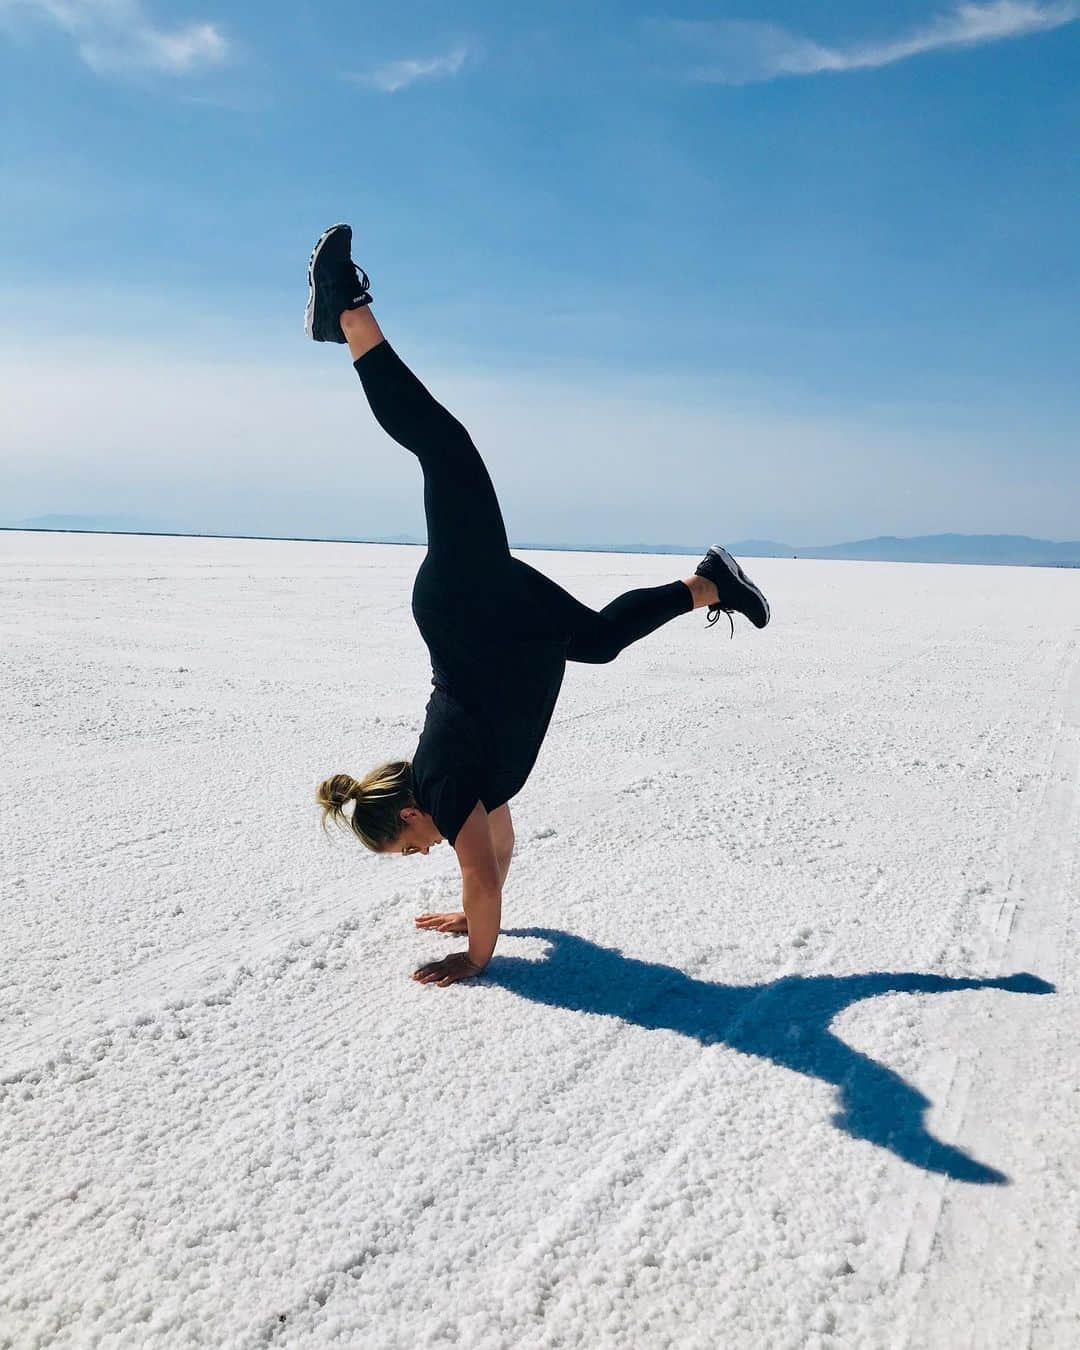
point(499, 634)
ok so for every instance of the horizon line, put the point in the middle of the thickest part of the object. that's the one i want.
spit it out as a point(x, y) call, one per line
point(330, 539)
point(656, 550)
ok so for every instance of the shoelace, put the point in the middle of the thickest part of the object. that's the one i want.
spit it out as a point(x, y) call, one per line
point(361, 278)
point(714, 613)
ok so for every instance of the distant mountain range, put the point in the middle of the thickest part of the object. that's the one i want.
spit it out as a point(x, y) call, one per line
point(1016, 550)
point(96, 525)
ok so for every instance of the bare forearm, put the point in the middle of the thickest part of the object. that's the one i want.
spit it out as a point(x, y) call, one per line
point(482, 904)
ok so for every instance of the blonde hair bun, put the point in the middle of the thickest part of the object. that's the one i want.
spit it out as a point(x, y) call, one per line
point(378, 799)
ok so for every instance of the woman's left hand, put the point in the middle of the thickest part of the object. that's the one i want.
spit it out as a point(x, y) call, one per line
point(447, 971)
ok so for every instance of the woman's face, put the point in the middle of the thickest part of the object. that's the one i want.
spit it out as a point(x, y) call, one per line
point(418, 835)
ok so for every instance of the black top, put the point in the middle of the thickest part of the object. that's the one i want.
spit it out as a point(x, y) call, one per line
point(489, 711)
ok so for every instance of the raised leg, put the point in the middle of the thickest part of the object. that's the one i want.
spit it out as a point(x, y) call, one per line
point(466, 534)
point(598, 636)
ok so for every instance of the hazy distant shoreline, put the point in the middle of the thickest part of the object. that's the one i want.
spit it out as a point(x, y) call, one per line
point(1001, 550)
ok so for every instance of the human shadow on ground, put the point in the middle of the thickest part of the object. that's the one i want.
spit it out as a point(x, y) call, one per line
point(785, 1020)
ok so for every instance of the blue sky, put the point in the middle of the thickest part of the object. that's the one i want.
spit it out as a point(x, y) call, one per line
point(798, 271)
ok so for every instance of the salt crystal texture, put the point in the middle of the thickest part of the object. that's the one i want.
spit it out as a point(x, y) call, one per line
point(767, 1056)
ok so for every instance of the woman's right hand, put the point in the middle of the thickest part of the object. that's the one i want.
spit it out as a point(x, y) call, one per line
point(455, 922)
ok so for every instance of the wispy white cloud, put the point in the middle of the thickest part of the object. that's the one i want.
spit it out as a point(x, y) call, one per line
point(395, 75)
point(118, 37)
point(744, 52)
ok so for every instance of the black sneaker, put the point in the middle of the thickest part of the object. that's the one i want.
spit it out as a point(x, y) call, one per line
point(334, 283)
point(737, 592)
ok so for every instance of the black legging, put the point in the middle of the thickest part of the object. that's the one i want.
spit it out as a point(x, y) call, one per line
point(469, 567)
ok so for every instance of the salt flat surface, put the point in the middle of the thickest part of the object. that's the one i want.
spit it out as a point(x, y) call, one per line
point(750, 1069)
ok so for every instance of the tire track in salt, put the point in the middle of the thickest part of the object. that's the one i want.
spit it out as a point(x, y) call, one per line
point(1027, 931)
point(649, 1154)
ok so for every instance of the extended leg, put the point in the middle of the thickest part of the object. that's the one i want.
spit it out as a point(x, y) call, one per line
point(596, 637)
point(465, 524)
point(466, 535)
